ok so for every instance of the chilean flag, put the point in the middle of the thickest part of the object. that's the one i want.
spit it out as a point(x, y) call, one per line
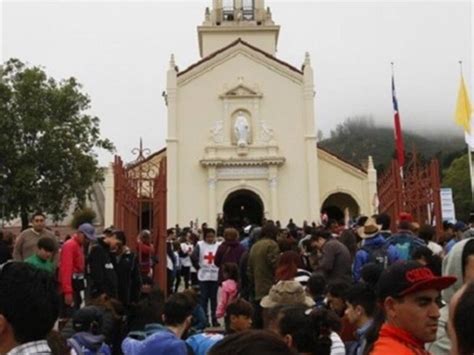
point(398, 128)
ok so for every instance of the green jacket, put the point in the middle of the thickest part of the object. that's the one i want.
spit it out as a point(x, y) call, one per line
point(46, 265)
point(262, 262)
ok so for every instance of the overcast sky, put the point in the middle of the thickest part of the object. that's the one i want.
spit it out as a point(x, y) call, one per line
point(120, 51)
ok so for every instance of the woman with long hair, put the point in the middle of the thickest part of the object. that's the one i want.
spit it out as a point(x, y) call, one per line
point(290, 267)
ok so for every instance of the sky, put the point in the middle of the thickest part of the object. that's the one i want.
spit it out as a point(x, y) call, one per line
point(120, 52)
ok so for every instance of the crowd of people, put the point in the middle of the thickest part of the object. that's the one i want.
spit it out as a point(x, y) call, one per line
point(330, 289)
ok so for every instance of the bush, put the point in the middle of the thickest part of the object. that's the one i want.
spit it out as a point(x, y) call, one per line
point(85, 215)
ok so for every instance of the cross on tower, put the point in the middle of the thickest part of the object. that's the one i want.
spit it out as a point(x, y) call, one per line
point(209, 257)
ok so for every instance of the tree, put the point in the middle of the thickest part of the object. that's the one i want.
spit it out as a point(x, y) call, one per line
point(47, 142)
point(85, 215)
point(358, 137)
point(457, 177)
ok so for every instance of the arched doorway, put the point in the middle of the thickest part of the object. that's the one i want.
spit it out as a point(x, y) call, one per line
point(243, 206)
point(336, 203)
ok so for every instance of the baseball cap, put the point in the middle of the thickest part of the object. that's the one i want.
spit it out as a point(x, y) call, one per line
point(87, 318)
point(403, 278)
point(405, 216)
point(460, 226)
point(88, 230)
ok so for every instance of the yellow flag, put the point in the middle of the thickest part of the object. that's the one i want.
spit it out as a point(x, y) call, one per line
point(463, 108)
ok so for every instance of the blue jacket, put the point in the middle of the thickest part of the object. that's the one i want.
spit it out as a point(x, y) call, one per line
point(201, 343)
point(199, 318)
point(449, 245)
point(358, 347)
point(406, 243)
point(362, 256)
point(87, 343)
point(163, 342)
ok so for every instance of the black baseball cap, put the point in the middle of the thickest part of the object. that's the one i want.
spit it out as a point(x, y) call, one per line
point(403, 278)
point(87, 318)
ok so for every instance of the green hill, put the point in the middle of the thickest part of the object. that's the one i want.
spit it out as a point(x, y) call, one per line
point(358, 137)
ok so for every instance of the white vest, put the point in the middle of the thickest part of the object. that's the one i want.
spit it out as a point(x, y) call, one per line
point(208, 271)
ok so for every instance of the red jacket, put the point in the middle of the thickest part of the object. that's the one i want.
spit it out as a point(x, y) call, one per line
point(145, 253)
point(396, 341)
point(71, 262)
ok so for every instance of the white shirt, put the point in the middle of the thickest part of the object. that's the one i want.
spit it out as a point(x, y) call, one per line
point(337, 346)
point(208, 271)
point(435, 248)
point(186, 248)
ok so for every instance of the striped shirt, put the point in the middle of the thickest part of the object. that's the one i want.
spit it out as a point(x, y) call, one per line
point(337, 346)
point(33, 347)
point(302, 276)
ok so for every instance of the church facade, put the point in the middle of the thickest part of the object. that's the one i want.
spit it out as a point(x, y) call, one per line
point(241, 138)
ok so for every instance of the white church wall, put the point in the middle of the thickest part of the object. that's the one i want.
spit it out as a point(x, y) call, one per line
point(199, 107)
point(333, 178)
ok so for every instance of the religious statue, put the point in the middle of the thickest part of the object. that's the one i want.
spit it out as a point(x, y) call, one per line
point(242, 130)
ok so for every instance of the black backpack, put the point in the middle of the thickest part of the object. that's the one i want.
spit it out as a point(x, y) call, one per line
point(377, 255)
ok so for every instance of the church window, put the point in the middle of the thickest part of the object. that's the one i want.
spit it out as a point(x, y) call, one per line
point(228, 10)
point(248, 9)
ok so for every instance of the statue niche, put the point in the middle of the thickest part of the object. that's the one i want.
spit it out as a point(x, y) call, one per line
point(242, 130)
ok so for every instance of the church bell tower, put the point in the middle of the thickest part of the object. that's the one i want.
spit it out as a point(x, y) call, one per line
point(229, 20)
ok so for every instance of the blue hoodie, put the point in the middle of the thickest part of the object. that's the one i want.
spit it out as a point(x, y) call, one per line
point(87, 343)
point(163, 342)
point(362, 256)
point(201, 343)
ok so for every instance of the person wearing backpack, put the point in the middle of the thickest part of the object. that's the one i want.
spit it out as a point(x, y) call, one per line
point(374, 249)
point(88, 338)
point(404, 240)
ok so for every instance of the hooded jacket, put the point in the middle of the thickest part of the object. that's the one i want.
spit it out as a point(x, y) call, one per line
point(229, 291)
point(228, 252)
point(162, 342)
point(362, 256)
point(452, 265)
point(87, 343)
point(101, 271)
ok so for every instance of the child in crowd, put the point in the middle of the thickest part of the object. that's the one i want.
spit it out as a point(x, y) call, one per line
point(316, 289)
point(42, 259)
point(229, 288)
point(199, 321)
point(238, 316)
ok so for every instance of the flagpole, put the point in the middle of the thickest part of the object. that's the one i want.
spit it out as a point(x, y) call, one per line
point(469, 151)
point(398, 153)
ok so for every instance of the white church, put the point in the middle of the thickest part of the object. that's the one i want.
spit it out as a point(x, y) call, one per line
point(241, 138)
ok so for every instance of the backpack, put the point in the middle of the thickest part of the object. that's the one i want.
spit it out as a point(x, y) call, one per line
point(377, 255)
point(81, 349)
point(404, 245)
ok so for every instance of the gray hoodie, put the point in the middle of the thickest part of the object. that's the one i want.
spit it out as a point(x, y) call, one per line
point(452, 265)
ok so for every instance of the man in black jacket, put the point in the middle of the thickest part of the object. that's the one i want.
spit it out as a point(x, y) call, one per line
point(102, 278)
point(128, 271)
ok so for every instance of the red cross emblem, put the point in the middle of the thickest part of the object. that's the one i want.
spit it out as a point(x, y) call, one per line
point(210, 258)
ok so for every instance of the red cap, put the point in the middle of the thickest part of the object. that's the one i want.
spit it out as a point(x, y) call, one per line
point(403, 278)
point(405, 216)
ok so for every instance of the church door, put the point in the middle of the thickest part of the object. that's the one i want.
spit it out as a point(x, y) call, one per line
point(242, 207)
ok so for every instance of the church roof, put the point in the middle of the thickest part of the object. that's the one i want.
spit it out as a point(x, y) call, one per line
point(345, 161)
point(233, 44)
